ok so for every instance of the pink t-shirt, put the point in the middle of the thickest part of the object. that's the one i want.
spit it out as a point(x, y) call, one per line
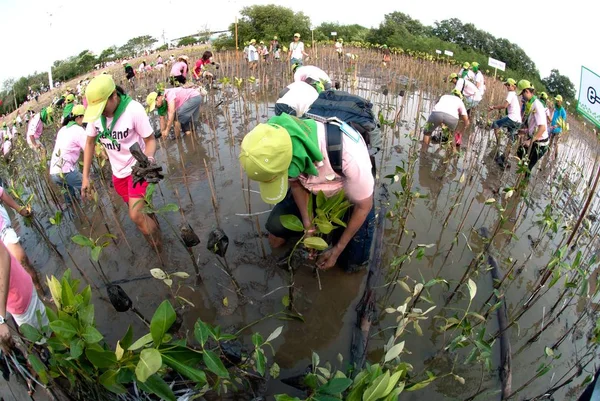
point(180, 95)
point(179, 68)
point(70, 141)
point(35, 127)
point(357, 182)
point(133, 126)
point(20, 288)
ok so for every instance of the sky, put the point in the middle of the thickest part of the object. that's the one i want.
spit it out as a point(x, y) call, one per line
point(557, 36)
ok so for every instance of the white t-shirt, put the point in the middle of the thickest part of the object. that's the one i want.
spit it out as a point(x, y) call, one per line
point(299, 97)
point(133, 126)
point(467, 88)
point(339, 47)
point(297, 48)
point(480, 83)
point(514, 109)
point(451, 104)
point(310, 71)
point(537, 117)
point(252, 53)
point(70, 141)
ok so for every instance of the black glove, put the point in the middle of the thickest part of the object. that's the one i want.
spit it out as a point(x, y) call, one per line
point(144, 170)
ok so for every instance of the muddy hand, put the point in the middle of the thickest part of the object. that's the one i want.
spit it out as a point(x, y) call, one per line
point(6, 341)
point(327, 259)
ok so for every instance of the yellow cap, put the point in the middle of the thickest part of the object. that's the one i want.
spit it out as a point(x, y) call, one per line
point(510, 81)
point(97, 94)
point(70, 98)
point(452, 76)
point(522, 85)
point(296, 35)
point(78, 110)
point(151, 101)
point(558, 98)
point(466, 65)
point(266, 154)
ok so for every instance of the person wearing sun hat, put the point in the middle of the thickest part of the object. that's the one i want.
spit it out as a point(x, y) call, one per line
point(289, 159)
point(179, 71)
point(447, 111)
point(70, 142)
point(511, 121)
point(536, 130)
point(465, 71)
point(558, 123)
point(179, 107)
point(296, 52)
point(36, 126)
point(118, 122)
point(252, 54)
point(275, 48)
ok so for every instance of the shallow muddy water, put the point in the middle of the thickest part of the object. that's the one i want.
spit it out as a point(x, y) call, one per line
point(460, 184)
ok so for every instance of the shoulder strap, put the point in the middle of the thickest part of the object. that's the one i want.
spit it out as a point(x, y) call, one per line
point(333, 135)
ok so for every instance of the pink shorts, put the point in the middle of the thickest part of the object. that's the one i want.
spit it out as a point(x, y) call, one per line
point(125, 189)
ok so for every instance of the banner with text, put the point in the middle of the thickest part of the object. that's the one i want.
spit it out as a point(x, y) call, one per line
point(589, 95)
point(492, 62)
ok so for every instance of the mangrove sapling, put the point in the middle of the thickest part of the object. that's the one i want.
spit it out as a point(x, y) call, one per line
point(79, 353)
point(117, 296)
point(218, 243)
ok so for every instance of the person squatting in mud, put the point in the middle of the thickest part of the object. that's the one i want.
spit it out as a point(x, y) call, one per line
point(118, 122)
point(290, 159)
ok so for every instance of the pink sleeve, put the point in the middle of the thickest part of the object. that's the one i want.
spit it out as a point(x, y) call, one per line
point(359, 181)
point(1, 191)
point(170, 95)
point(32, 127)
point(141, 122)
point(91, 130)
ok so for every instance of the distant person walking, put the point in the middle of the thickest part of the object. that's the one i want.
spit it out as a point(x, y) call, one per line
point(296, 51)
point(179, 71)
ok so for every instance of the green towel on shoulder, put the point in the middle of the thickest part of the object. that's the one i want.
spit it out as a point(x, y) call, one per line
point(305, 144)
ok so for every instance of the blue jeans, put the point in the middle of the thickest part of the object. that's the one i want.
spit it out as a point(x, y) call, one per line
point(357, 252)
point(70, 183)
point(511, 126)
point(296, 61)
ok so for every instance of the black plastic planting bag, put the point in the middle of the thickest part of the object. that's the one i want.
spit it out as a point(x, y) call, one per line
point(217, 242)
point(119, 299)
point(189, 237)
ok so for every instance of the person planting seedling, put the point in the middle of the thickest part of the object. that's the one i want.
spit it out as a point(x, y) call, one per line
point(313, 76)
point(18, 298)
point(296, 99)
point(296, 52)
point(179, 71)
point(36, 127)
point(292, 161)
point(536, 129)
point(185, 102)
point(200, 70)
point(511, 122)
point(447, 111)
point(467, 88)
point(70, 141)
point(118, 122)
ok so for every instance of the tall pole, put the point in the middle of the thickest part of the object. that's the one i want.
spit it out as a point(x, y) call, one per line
point(50, 78)
point(236, 35)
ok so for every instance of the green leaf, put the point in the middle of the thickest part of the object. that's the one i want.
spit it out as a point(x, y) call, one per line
point(86, 315)
point(38, 367)
point(163, 319)
point(317, 243)
point(150, 362)
point(291, 222)
point(261, 361)
point(156, 385)
point(335, 386)
point(67, 296)
point(201, 332)
point(91, 335)
point(311, 381)
point(394, 351)
point(109, 380)
point(100, 358)
point(82, 241)
point(63, 329)
point(141, 342)
point(276, 333)
point(86, 294)
point(127, 339)
point(324, 226)
point(321, 397)
point(338, 222)
point(196, 375)
point(275, 370)
point(472, 289)
point(377, 388)
point(257, 339)
point(150, 191)
point(168, 208)
point(321, 199)
point(30, 332)
point(214, 364)
point(56, 344)
point(95, 253)
point(56, 290)
point(285, 397)
point(76, 348)
point(285, 300)
point(314, 359)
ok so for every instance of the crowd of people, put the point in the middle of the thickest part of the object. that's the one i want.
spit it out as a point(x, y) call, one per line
point(321, 140)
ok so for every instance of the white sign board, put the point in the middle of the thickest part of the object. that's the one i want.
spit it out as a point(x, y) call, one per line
point(448, 53)
point(438, 51)
point(492, 62)
point(589, 95)
point(333, 33)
